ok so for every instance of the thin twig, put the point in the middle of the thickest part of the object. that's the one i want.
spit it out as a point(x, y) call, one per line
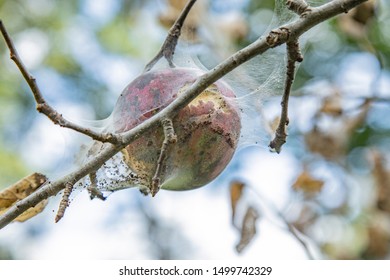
point(296, 28)
point(296, 234)
point(42, 105)
point(64, 202)
point(168, 48)
point(271, 206)
point(294, 55)
point(169, 138)
point(93, 189)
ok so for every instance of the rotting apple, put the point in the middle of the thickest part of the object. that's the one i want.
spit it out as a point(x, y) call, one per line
point(207, 129)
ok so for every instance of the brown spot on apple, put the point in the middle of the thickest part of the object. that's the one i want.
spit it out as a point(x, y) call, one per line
point(207, 129)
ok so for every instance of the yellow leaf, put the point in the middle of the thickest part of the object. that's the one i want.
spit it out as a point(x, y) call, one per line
point(305, 182)
point(236, 188)
point(31, 212)
point(19, 191)
point(7, 198)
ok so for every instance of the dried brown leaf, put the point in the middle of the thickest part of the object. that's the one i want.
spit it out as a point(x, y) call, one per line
point(236, 188)
point(20, 190)
point(332, 143)
point(331, 105)
point(353, 123)
point(306, 183)
point(248, 230)
point(364, 12)
point(31, 212)
point(382, 179)
point(329, 146)
point(352, 28)
point(378, 233)
point(7, 198)
point(377, 247)
point(354, 23)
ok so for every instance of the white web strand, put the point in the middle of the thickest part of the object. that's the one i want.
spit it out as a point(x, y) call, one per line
point(253, 82)
point(258, 79)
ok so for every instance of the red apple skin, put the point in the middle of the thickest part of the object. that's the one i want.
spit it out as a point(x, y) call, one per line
point(207, 129)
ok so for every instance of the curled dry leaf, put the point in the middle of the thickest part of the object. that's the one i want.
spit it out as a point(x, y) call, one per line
point(236, 188)
point(353, 123)
point(247, 227)
point(248, 230)
point(354, 23)
point(364, 12)
point(327, 145)
point(331, 105)
point(332, 144)
point(306, 183)
point(19, 191)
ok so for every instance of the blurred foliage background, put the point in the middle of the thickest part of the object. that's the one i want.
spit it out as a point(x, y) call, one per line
point(335, 187)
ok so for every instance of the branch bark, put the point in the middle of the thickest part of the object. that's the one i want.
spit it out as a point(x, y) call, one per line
point(295, 28)
point(169, 138)
point(293, 56)
point(42, 105)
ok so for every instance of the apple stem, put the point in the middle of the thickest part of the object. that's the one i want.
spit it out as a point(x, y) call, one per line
point(169, 138)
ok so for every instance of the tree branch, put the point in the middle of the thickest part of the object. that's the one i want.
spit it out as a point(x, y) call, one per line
point(42, 105)
point(296, 234)
point(169, 138)
point(64, 202)
point(168, 48)
point(296, 28)
point(293, 55)
point(93, 189)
